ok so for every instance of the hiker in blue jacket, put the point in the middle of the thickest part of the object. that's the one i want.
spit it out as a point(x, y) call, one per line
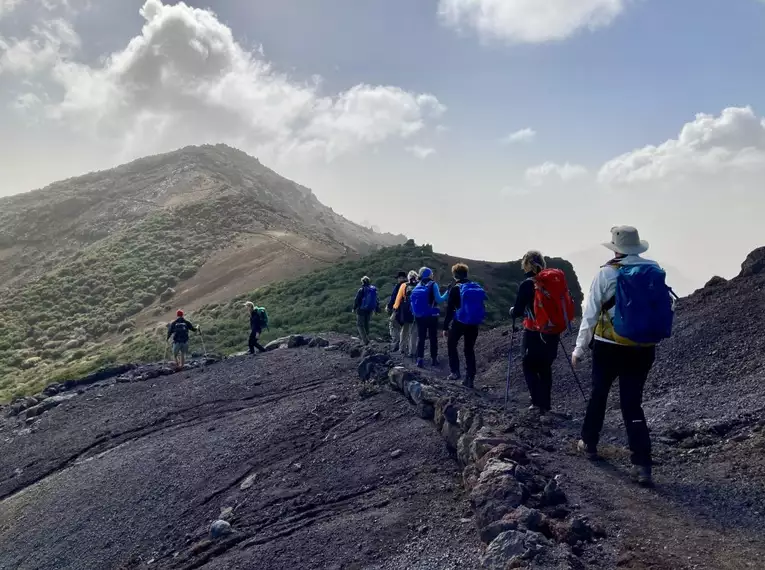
point(465, 311)
point(364, 305)
point(424, 302)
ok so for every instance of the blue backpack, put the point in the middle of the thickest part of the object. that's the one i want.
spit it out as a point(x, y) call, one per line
point(472, 309)
point(422, 301)
point(369, 299)
point(643, 302)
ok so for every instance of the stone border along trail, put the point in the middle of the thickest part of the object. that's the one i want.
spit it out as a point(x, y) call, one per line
point(535, 503)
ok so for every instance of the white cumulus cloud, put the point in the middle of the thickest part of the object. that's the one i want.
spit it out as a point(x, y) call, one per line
point(529, 21)
point(186, 80)
point(421, 152)
point(732, 143)
point(47, 43)
point(521, 136)
point(551, 172)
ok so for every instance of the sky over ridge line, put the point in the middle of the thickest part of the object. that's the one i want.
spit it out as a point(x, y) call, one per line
point(463, 117)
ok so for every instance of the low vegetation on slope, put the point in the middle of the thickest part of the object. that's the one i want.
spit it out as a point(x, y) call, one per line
point(79, 318)
point(323, 300)
point(84, 257)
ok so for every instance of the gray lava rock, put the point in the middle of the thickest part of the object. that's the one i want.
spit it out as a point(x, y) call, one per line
point(496, 492)
point(754, 263)
point(220, 528)
point(553, 494)
point(716, 281)
point(374, 367)
point(512, 544)
point(275, 344)
point(318, 342)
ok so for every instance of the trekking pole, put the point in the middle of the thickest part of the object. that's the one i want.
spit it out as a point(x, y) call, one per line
point(204, 349)
point(573, 370)
point(509, 365)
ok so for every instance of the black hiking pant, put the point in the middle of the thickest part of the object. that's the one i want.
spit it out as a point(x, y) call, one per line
point(631, 365)
point(456, 332)
point(427, 328)
point(253, 342)
point(539, 352)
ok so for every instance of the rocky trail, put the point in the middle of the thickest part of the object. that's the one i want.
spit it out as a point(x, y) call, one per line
point(326, 457)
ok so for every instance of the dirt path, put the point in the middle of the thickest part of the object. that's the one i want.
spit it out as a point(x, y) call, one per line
point(706, 511)
point(304, 463)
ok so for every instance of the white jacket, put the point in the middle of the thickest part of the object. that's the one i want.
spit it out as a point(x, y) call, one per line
point(603, 289)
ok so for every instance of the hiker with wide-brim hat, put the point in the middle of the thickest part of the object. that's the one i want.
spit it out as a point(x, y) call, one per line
point(628, 311)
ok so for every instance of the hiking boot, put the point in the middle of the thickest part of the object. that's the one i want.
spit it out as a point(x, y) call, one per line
point(395, 347)
point(533, 408)
point(468, 382)
point(434, 362)
point(641, 474)
point(420, 363)
point(589, 451)
point(453, 376)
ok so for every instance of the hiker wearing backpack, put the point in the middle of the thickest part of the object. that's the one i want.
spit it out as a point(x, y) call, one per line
point(394, 324)
point(364, 305)
point(628, 312)
point(179, 331)
point(465, 311)
point(258, 321)
point(405, 316)
point(545, 304)
point(425, 299)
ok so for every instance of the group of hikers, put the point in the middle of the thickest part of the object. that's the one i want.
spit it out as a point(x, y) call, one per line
point(629, 310)
point(414, 316)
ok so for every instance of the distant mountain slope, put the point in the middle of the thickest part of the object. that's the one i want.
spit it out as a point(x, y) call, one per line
point(322, 300)
point(83, 260)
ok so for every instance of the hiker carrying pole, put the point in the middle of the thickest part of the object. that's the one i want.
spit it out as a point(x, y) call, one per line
point(545, 304)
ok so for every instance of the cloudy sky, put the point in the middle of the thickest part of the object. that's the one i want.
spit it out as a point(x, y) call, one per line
point(484, 127)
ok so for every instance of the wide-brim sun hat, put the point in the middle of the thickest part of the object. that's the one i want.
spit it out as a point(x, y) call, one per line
point(626, 240)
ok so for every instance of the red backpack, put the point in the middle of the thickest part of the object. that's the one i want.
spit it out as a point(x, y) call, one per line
point(553, 306)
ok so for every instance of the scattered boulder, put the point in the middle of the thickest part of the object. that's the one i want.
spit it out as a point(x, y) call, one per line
point(296, 341)
point(248, 482)
point(496, 492)
point(451, 433)
point(512, 547)
point(553, 495)
point(754, 263)
point(398, 377)
point(522, 518)
point(374, 367)
point(396, 454)
point(53, 389)
point(226, 514)
point(318, 342)
point(219, 529)
point(355, 352)
point(47, 404)
point(278, 343)
point(574, 530)
point(716, 281)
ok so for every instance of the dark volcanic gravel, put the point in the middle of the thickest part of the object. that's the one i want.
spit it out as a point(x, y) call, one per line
point(132, 475)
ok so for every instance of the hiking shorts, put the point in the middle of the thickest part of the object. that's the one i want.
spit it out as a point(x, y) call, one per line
point(180, 348)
